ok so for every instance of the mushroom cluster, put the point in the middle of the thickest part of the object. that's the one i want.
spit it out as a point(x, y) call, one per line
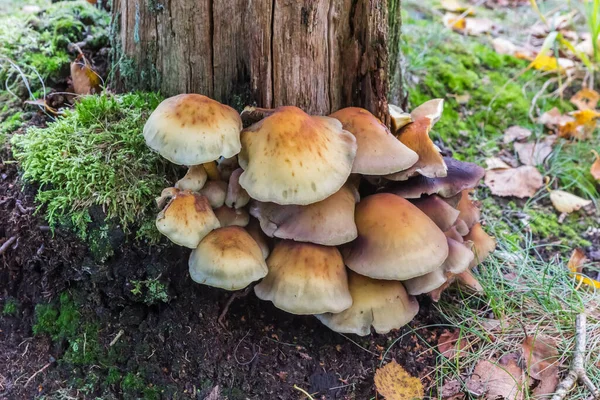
point(334, 216)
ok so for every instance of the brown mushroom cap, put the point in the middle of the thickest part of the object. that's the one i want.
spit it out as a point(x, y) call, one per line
point(453, 234)
point(305, 278)
point(194, 179)
point(483, 244)
point(291, 157)
point(237, 197)
point(468, 210)
point(425, 283)
point(329, 222)
point(186, 219)
point(399, 117)
point(191, 129)
point(431, 109)
point(416, 137)
point(215, 192)
point(385, 305)
point(230, 216)
point(461, 176)
point(379, 152)
point(395, 240)
point(227, 258)
point(440, 212)
point(461, 227)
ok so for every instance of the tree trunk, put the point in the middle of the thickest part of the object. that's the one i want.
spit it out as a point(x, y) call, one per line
point(320, 55)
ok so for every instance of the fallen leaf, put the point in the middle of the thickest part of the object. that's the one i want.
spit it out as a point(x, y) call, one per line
point(43, 104)
point(215, 394)
point(541, 358)
point(535, 153)
point(394, 383)
point(451, 389)
point(595, 168)
point(577, 260)
point(554, 118)
point(581, 127)
point(468, 25)
point(504, 46)
point(85, 79)
point(456, 6)
point(462, 98)
point(519, 182)
point(516, 133)
point(454, 22)
point(566, 202)
point(497, 380)
point(496, 163)
point(450, 344)
point(543, 62)
point(585, 99)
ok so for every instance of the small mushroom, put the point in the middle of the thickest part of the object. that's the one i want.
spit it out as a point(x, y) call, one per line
point(194, 179)
point(187, 219)
point(259, 236)
point(226, 166)
point(469, 212)
point(237, 197)
point(329, 222)
point(191, 129)
point(227, 258)
point(291, 157)
point(378, 152)
point(305, 278)
point(483, 244)
point(395, 240)
point(461, 227)
point(230, 216)
point(453, 234)
point(440, 212)
point(431, 109)
point(399, 118)
point(215, 192)
point(385, 305)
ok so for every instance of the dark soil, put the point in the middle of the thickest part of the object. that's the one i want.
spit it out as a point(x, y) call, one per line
point(177, 348)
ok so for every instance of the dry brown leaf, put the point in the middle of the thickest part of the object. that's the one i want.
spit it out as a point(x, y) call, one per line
point(394, 383)
point(595, 168)
point(501, 380)
point(519, 182)
point(43, 104)
point(504, 46)
point(586, 99)
point(516, 133)
point(452, 390)
point(577, 260)
point(85, 80)
point(554, 118)
point(451, 344)
point(535, 153)
point(566, 202)
point(496, 163)
point(541, 358)
point(468, 25)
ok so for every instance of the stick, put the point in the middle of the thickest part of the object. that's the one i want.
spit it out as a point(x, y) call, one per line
point(229, 302)
point(34, 375)
point(7, 244)
point(114, 341)
point(577, 371)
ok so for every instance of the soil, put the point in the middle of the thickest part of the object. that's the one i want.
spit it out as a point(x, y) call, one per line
point(177, 346)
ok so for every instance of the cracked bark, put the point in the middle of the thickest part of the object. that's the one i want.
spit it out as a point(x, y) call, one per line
point(320, 55)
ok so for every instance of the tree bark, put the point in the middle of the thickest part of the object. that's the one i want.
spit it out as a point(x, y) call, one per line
point(320, 55)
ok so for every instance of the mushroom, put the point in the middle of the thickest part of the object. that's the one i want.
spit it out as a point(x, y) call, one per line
point(461, 227)
point(453, 234)
point(191, 129)
point(461, 175)
point(328, 222)
point(187, 218)
point(229, 216)
point(395, 240)
point(290, 157)
point(305, 278)
point(237, 197)
point(227, 258)
point(399, 118)
point(385, 305)
point(483, 244)
point(215, 192)
point(416, 137)
point(379, 152)
point(259, 236)
point(431, 109)
point(469, 212)
point(440, 212)
point(194, 179)
point(226, 166)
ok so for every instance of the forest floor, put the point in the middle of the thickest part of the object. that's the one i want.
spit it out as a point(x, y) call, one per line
point(93, 304)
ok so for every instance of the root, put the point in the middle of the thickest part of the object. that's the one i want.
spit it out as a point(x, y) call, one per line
point(7, 244)
point(577, 371)
point(238, 294)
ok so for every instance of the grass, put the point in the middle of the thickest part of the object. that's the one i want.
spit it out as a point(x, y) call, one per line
point(96, 156)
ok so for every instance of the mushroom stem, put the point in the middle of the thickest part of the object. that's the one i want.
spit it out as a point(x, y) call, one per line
point(251, 115)
point(212, 171)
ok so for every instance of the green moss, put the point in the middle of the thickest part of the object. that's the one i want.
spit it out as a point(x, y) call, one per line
point(568, 233)
point(99, 244)
point(132, 383)
point(113, 376)
point(59, 321)
point(11, 307)
point(151, 291)
point(95, 156)
point(84, 348)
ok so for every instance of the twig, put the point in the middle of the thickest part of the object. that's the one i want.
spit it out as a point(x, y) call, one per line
point(304, 392)
point(7, 244)
point(228, 304)
point(34, 375)
point(114, 341)
point(577, 371)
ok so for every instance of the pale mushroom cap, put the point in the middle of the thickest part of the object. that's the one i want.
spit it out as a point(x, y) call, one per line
point(431, 109)
point(425, 283)
point(430, 163)
point(483, 244)
point(187, 219)
point(291, 157)
point(230, 216)
point(466, 278)
point(259, 236)
point(399, 117)
point(305, 278)
point(215, 192)
point(468, 210)
point(237, 197)
point(194, 179)
point(440, 212)
point(459, 258)
point(191, 129)
point(395, 240)
point(379, 152)
point(328, 222)
point(461, 227)
point(385, 305)
point(227, 258)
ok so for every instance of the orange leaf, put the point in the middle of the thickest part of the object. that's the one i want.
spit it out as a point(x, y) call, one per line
point(595, 168)
point(576, 261)
point(585, 99)
point(541, 359)
point(582, 127)
point(85, 79)
point(394, 383)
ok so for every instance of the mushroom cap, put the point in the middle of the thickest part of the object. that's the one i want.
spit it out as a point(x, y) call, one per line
point(483, 244)
point(440, 212)
point(191, 129)
point(215, 192)
point(466, 278)
point(395, 240)
point(329, 222)
point(399, 117)
point(237, 197)
point(431, 109)
point(385, 305)
point(230, 216)
point(379, 152)
point(187, 219)
point(459, 258)
point(305, 278)
point(461, 175)
point(259, 236)
point(468, 210)
point(425, 283)
point(291, 157)
point(461, 227)
point(416, 137)
point(453, 234)
point(226, 166)
point(194, 179)
point(227, 258)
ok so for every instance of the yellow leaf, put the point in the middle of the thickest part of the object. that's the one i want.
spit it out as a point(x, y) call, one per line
point(584, 280)
point(456, 6)
point(585, 99)
point(595, 168)
point(394, 383)
point(85, 79)
point(566, 202)
point(548, 63)
point(582, 127)
point(454, 21)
